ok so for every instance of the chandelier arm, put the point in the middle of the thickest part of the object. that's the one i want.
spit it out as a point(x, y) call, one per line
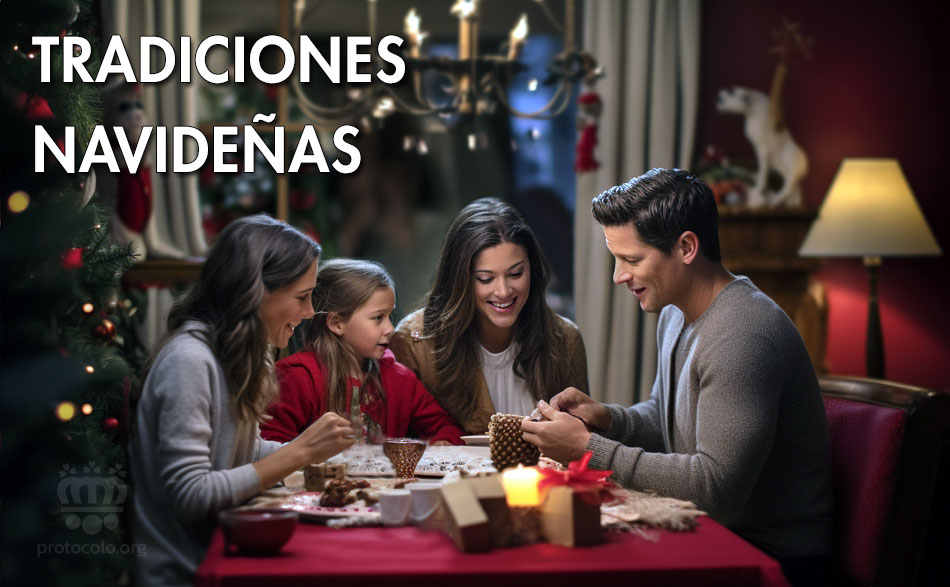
point(550, 15)
point(425, 109)
point(323, 110)
point(558, 102)
point(322, 120)
point(420, 96)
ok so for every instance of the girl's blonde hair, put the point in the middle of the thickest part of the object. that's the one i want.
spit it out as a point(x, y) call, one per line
point(343, 285)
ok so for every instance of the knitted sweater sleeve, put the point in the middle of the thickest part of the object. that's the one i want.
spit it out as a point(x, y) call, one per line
point(182, 403)
point(737, 411)
point(638, 425)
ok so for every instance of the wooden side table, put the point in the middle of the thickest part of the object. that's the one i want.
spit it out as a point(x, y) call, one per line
point(168, 272)
point(762, 244)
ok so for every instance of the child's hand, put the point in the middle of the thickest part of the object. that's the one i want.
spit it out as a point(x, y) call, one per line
point(441, 443)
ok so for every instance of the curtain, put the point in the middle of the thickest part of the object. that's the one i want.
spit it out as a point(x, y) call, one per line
point(650, 53)
point(175, 209)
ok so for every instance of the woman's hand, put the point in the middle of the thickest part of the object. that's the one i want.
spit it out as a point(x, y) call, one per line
point(329, 435)
point(580, 405)
point(441, 443)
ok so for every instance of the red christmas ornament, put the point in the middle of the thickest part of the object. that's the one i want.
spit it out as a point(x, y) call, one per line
point(72, 259)
point(110, 424)
point(34, 107)
point(105, 330)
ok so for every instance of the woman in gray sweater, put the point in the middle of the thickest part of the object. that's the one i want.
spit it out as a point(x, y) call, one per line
point(196, 447)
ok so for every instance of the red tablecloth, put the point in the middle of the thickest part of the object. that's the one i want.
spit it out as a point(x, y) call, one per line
point(385, 557)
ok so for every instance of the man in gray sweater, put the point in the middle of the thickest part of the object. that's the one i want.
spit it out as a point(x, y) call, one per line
point(735, 422)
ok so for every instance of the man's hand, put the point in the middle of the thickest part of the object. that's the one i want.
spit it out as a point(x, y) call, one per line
point(580, 405)
point(560, 436)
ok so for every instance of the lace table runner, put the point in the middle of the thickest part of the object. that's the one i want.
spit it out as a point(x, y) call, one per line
point(438, 461)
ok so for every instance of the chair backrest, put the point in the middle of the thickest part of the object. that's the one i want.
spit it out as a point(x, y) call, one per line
point(886, 440)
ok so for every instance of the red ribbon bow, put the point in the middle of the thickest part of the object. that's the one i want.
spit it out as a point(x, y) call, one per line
point(590, 484)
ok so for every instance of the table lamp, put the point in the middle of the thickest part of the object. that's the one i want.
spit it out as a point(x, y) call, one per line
point(870, 212)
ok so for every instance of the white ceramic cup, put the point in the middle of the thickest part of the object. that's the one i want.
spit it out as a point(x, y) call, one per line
point(395, 507)
point(426, 501)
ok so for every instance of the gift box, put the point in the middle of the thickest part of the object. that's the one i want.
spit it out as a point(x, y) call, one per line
point(491, 496)
point(570, 510)
point(466, 520)
point(570, 520)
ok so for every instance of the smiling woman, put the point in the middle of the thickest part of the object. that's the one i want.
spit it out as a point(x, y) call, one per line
point(196, 449)
point(285, 307)
point(486, 340)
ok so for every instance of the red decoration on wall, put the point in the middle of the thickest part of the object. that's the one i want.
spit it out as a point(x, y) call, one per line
point(134, 206)
point(590, 108)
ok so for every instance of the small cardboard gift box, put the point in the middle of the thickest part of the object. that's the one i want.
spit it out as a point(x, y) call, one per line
point(467, 521)
point(491, 495)
point(568, 519)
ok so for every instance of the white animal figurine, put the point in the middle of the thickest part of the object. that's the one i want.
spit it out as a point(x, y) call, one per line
point(774, 148)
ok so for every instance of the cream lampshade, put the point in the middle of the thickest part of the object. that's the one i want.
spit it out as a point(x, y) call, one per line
point(870, 212)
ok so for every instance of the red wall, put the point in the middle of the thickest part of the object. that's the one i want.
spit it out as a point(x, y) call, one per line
point(872, 88)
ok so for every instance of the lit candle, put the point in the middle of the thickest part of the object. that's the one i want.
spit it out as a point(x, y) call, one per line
point(517, 37)
point(521, 486)
point(465, 9)
point(412, 23)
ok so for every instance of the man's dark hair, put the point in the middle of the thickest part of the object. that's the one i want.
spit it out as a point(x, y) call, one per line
point(662, 204)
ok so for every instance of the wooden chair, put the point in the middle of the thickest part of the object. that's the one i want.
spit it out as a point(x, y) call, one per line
point(886, 442)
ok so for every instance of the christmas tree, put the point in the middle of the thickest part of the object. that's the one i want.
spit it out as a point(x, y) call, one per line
point(63, 371)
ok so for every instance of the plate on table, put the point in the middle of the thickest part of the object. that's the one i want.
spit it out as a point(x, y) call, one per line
point(476, 440)
point(307, 504)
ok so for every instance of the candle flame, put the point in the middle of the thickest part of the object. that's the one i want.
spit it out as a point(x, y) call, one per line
point(521, 29)
point(412, 22)
point(463, 8)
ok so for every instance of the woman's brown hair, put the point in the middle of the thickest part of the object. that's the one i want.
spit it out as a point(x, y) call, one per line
point(449, 314)
point(250, 257)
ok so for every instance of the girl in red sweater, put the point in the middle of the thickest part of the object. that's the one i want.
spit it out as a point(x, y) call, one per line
point(348, 368)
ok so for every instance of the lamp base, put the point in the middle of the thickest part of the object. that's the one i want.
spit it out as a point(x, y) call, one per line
point(874, 347)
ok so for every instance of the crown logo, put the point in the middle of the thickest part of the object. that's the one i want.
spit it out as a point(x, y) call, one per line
point(90, 498)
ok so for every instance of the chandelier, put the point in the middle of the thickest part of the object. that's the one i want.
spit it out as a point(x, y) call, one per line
point(468, 85)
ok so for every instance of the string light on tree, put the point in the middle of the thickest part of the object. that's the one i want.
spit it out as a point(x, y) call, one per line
point(88, 308)
point(86, 409)
point(65, 411)
point(18, 201)
point(90, 369)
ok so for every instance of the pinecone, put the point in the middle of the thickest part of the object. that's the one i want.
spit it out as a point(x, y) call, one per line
point(507, 447)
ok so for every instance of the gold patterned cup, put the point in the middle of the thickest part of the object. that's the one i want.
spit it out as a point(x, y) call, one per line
point(404, 453)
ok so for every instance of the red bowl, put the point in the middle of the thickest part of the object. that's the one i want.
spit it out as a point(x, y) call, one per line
point(257, 532)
